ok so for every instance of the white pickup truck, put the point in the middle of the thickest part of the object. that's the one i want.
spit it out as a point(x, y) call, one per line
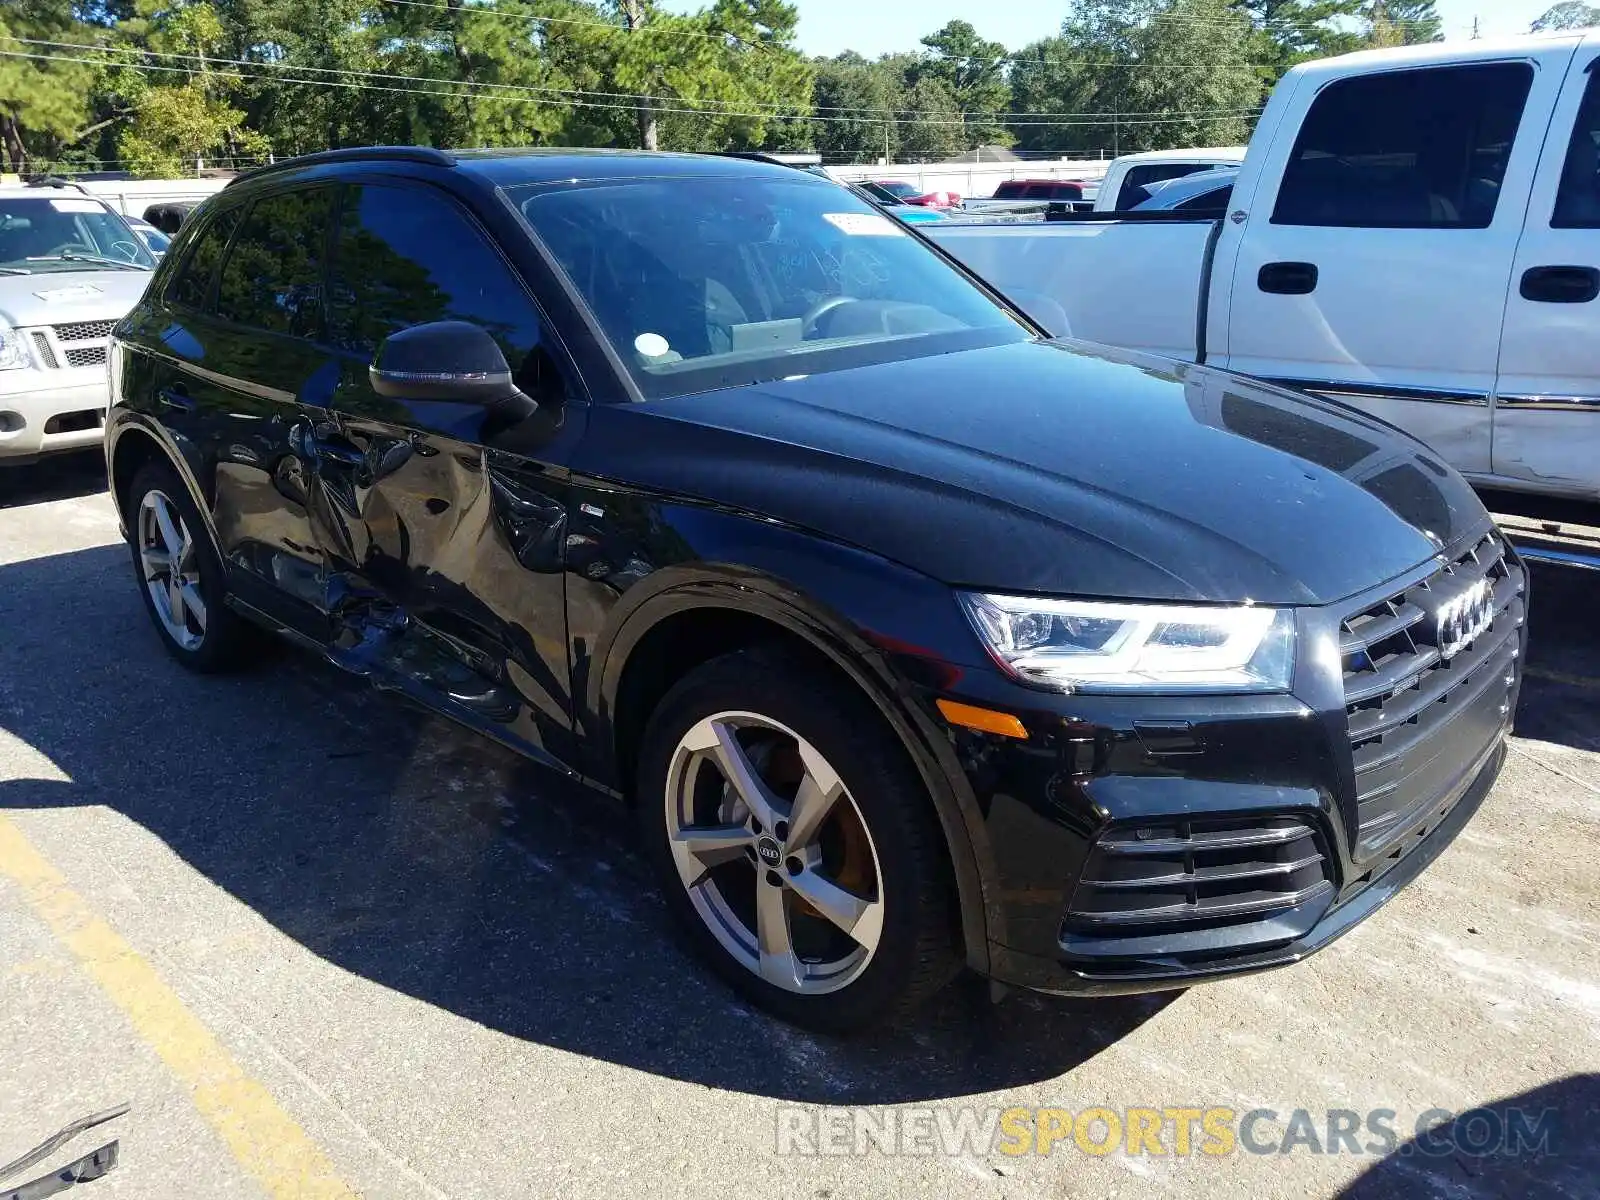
point(1415, 232)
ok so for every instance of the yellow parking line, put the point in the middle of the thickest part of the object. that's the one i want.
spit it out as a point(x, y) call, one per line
point(265, 1140)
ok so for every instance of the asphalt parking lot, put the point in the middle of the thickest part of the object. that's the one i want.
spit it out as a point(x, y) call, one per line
point(327, 945)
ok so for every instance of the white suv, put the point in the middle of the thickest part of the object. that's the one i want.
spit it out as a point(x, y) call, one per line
point(70, 267)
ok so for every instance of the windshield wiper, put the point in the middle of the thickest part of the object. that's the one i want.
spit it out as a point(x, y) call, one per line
point(97, 259)
point(15, 271)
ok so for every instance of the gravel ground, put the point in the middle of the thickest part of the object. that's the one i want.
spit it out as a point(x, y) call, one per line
point(331, 926)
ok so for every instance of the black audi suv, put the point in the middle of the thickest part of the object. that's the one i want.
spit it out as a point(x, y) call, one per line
point(912, 637)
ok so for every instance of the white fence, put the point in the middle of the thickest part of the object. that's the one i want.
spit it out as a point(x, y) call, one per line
point(976, 180)
point(131, 197)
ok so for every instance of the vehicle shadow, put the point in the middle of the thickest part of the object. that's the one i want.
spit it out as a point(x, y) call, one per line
point(1561, 688)
point(1537, 1144)
point(403, 849)
point(56, 477)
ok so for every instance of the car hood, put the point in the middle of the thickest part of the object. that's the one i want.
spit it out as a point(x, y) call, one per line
point(57, 297)
point(1063, 469)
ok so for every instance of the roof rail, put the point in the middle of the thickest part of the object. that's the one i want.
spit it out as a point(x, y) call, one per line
point(56, 181)
point(417, 154)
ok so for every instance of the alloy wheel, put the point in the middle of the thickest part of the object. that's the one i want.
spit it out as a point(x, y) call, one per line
point(171, 568)
point(774, 853)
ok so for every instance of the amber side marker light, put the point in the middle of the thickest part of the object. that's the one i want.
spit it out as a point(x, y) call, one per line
point(982, 719)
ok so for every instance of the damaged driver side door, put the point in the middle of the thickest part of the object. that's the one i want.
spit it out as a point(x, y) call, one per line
point(449, 516)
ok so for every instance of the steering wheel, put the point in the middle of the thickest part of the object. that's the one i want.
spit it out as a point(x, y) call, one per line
point(131, 253)
point(814, 314)
point(71, 247)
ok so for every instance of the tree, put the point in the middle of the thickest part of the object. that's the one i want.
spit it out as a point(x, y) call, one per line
point(973, 72)
point(1403, 22)
point(44, 102)
point(1292, 31)
point(1162, 72)
point(855, 100)
point(728, 74)
point(930, 127)
point(1569, 14)
point(1054, 76)
point(1201, 88)
point(173, 124)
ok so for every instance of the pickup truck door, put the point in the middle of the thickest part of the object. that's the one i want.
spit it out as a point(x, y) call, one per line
point(1375, 268)
point(1547, 403)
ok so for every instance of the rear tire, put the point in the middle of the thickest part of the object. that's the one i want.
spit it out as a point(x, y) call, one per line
point(180, 576)
point(827, 899)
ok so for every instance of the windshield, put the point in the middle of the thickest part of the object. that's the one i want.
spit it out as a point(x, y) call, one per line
point(898, 188)
point(716, 282)
point(158, 242)
point(73, 233)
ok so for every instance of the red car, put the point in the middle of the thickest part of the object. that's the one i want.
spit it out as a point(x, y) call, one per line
point(907, 193)
point(1039, 189)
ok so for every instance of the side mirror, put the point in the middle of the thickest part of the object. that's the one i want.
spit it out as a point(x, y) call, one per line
point(442, 360)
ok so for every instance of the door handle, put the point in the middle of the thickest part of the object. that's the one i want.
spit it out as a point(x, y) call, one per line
point(308, 443)
point(1560, 285)
point(1288, 278)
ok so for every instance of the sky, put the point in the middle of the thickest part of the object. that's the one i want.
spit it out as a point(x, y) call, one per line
point(874, 27)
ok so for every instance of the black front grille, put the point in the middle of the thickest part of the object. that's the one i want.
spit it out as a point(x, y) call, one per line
point(1142, 879)
point(86, 356)
point(83, 331)
point(1417, 718)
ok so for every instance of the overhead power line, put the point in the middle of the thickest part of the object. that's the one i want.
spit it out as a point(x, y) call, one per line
point(585, 98)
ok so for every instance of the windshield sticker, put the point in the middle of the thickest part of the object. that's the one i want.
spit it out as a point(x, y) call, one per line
point(651, 345)
point(73, 291)
point(76, 206)
point(863, 224)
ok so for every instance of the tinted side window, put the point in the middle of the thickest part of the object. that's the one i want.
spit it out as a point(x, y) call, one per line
point(1406, 150)
point(1212, 203)
point(192, 286)
point(1008, 191)
point(272, 279)
point(1578, 200)
point(405, 256)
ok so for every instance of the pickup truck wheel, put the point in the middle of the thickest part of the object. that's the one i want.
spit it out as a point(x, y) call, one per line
point(794, 843)
point(180, 576)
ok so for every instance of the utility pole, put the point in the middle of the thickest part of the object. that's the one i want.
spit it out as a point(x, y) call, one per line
point(633, 13)
point(887, 125)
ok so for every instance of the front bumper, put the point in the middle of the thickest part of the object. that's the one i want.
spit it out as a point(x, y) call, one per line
point(1142, 843)
point(42, 412)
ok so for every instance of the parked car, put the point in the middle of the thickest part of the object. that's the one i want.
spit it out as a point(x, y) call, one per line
point(154, 240)
point(169, 216)
point(907, 193)
point(890, 203)
point(1040, 189)
point(69, 267)
point(1203, 194)
point(1128, 176)
point(1412, 233)
point(691, 477)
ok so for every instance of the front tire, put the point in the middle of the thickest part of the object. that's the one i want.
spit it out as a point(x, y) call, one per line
point(180, 576)
point(795, 843)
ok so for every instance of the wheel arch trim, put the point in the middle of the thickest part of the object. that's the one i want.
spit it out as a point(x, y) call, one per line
point(124, 425)
point(674, 591)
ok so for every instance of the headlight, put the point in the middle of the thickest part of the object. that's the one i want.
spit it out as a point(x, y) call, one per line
point(1094, 646)
point(13, 353)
